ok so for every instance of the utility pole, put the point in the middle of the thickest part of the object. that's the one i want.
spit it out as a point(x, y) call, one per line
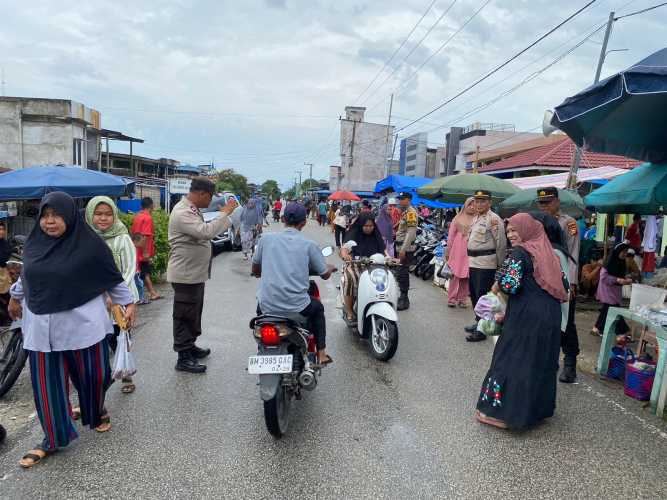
point(572, 177)
point(299, 172)
point(386, 142)
point(310, 175)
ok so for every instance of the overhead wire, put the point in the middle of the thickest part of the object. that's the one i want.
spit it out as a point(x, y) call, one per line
point(502, 65)
point(640, 11)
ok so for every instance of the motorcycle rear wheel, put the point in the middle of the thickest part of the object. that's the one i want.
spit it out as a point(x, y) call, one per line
point(383, 338)
point(276, 412)
point(12, 358)
point(427, 274)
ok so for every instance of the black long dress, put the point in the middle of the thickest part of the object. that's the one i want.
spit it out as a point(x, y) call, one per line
point(520, 386)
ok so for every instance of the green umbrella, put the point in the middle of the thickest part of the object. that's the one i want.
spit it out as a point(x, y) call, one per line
point(570, 203)
point(456, 188)
point(642, 190)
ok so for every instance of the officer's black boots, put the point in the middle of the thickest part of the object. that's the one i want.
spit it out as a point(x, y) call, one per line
point(188, 363)
point(403, 302)
point(569, 373)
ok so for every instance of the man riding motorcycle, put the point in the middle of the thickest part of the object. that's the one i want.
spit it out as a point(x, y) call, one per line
point(369, 241)
point(285, 262)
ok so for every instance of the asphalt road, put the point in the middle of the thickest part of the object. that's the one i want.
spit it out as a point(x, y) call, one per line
point(370, 430)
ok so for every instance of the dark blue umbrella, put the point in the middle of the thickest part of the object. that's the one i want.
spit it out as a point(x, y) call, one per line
point(34, 182)
point(625, 114)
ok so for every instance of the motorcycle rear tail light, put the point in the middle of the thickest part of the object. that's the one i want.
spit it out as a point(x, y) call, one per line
point(269, 335)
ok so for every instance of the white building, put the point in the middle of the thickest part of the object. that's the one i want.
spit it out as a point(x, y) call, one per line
point(364, 149)
point(413, 151)
point(36, 131)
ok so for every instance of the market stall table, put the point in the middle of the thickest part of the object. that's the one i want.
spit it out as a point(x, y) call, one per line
point(659, 392)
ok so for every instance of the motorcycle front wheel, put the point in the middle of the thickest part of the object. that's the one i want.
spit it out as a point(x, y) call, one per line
point(384, 338)
point(276, 412)
point(12, 358)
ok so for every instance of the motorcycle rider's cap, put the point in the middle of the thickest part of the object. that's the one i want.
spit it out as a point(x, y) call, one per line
point(404, 194)
point(295, 213)
point(482, 194)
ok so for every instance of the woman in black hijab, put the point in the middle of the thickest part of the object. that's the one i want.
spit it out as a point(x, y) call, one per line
point(368, 241)
point(68, 272)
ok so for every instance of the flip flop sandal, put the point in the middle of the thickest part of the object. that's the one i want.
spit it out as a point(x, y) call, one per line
point(33, 457)
point(327, 361)
point(105, 424)
point(128, 388)
point(494, 422)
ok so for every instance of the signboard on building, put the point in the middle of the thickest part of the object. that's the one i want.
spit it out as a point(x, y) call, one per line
point(179, 185)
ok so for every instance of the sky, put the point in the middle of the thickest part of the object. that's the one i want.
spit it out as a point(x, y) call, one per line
point(259, 86)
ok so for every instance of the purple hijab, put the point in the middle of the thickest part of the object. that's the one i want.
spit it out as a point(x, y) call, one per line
point(384, 223)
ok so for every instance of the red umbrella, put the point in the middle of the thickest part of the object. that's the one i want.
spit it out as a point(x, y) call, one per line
point(344, 195)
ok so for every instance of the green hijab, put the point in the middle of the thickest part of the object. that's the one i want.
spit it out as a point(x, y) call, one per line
point(116, 229)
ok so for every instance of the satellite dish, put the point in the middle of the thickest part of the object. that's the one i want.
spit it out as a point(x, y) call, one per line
point(547, 127)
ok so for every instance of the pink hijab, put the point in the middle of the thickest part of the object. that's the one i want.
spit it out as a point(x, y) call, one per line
point(462, 220)
point(546, 265)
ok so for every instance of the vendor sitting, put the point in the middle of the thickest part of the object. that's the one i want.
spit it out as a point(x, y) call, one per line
point(368, 241)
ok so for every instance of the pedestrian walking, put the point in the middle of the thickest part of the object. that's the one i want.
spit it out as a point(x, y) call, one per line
point(385, 225)
point(102, 217)
point(458, 292)
point(190, 267)
point(519, 390)
point(250, 222)
point(487, 246)
point(143, 224)
point(68, 270)
point(549, 202)
point(613, 276)
point(340, 226)
point(322, 210)
point(405, 246)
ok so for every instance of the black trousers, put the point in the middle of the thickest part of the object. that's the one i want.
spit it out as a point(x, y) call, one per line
point(403, 271)
point(481, 282)
point(188, 308)
point(569, 340)
point(339, 234)
point(317, 324)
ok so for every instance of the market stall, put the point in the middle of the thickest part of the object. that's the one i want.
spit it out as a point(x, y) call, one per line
point(457, 188)
point(397, 183)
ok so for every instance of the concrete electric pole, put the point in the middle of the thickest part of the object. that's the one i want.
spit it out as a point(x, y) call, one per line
point(310, 175)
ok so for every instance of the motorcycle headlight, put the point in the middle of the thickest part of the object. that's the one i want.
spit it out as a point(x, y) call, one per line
point(380, 279)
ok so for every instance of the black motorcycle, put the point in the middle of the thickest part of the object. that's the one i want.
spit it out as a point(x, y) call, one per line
point(12, 355)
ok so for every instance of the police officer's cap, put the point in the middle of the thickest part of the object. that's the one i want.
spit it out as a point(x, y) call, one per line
point(404, 194)
point(547, 194)
point(482, 194)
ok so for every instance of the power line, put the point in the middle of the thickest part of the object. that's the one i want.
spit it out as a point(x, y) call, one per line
point(451, 37)
point(414, 48)
point(640, 11)
point(397, 50)
point(498, 68)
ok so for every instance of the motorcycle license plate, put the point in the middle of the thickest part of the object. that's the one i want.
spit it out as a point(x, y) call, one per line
point(262, 365)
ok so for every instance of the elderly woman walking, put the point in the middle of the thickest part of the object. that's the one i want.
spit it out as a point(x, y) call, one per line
point(67, 272)
point(250, 220)
point(102, 217)
point(519, 390)
point(457, 255)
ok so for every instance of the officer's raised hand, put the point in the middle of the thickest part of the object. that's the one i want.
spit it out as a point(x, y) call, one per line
point(229, 207)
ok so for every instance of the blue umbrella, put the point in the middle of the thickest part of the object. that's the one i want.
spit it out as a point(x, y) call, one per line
point(625, 114)
point(34, 182)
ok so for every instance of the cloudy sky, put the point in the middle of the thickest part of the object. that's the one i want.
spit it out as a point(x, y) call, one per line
point(259, 85)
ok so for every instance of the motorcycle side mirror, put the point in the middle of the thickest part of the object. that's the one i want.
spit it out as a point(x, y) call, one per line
point(327, 251)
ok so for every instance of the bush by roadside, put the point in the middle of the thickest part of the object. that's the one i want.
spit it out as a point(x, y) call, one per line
point(160, 225)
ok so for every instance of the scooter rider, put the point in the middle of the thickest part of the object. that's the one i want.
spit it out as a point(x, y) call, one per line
point(285, 261)
point(368, 241)
point(405, 246)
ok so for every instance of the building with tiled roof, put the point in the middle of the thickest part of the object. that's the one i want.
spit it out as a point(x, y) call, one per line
point(552, 158)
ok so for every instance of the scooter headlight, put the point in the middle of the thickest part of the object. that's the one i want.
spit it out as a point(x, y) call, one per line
point(380, 279)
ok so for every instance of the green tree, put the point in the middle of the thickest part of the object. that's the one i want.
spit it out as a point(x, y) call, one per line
point(229, 180)
point(310, 184)
point(270, 189)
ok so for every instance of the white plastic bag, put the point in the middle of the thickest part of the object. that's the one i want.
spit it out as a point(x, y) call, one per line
point(123, 364)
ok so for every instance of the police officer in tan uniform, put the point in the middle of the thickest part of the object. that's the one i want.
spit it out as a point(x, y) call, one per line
point(487, 246)
point(190, 266)
point(549, 202)
point(405, 246)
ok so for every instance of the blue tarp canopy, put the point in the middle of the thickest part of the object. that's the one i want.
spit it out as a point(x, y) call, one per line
point(398, 183)
point(34, 182)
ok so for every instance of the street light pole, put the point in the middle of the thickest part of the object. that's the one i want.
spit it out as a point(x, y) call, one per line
point(572, 177)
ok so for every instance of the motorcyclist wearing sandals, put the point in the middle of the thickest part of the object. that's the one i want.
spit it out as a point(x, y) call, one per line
point(285, 261)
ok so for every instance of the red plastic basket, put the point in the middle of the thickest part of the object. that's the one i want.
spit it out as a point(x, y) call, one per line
point(639, 383)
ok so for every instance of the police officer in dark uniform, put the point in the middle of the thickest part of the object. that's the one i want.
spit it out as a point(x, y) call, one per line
point(405, 246)
point(548, 202)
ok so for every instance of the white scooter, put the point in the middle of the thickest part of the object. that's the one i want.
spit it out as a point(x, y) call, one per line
point(375, 306)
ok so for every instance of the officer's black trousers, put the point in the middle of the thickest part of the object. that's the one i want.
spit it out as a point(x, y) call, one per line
point(569, 340)
point(188, 308)
point(403, 272)
point(481, 281)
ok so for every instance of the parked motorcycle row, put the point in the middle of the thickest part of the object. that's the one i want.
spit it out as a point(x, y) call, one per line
point(431, 244)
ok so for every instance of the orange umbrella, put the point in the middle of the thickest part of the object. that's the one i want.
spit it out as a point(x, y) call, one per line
point(344, 195)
